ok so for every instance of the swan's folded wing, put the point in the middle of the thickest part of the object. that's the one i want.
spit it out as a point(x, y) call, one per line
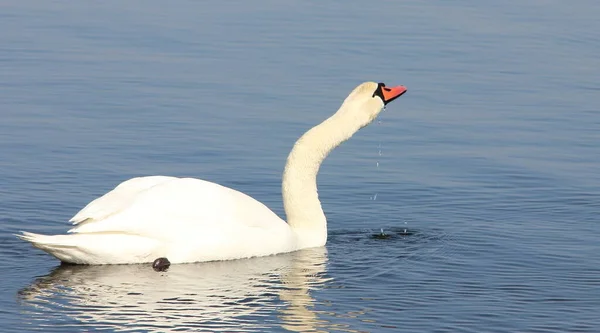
point(118, 199)
point(186, 205)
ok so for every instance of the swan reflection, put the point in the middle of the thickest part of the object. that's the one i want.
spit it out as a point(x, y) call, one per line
point(241, 295)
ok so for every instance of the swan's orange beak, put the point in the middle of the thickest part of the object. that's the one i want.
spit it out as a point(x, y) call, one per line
point(391, 93)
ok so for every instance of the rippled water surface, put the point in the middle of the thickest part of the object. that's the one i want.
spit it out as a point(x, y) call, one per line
point(484, 178)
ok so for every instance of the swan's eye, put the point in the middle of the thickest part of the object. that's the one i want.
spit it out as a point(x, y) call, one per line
point(379, 91)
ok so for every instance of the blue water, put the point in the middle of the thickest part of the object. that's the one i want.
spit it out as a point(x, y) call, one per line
point(485, 175)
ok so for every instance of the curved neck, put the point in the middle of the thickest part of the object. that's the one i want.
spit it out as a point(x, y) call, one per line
point(299, 187)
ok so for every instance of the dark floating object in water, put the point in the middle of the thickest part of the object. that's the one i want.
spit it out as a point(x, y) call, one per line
point(405, 232)
point(395, 232)
point(381, 235)
point(161, 264)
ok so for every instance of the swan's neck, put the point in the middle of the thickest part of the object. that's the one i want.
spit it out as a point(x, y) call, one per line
point(299, 187)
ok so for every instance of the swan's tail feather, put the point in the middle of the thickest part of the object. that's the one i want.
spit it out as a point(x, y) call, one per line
point(44, 240)
point(92, 249)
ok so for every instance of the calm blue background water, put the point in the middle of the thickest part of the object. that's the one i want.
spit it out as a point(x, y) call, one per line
point(490, 162)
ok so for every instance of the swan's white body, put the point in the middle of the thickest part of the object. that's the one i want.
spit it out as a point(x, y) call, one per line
point(192, 220)
point(183, 219)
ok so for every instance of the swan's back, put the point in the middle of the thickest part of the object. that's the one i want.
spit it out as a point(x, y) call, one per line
point(193, 202)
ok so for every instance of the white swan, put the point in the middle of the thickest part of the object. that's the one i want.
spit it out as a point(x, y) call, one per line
point(192, 220)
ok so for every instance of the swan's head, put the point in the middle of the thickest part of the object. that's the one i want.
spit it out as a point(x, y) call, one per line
point(367, 100)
